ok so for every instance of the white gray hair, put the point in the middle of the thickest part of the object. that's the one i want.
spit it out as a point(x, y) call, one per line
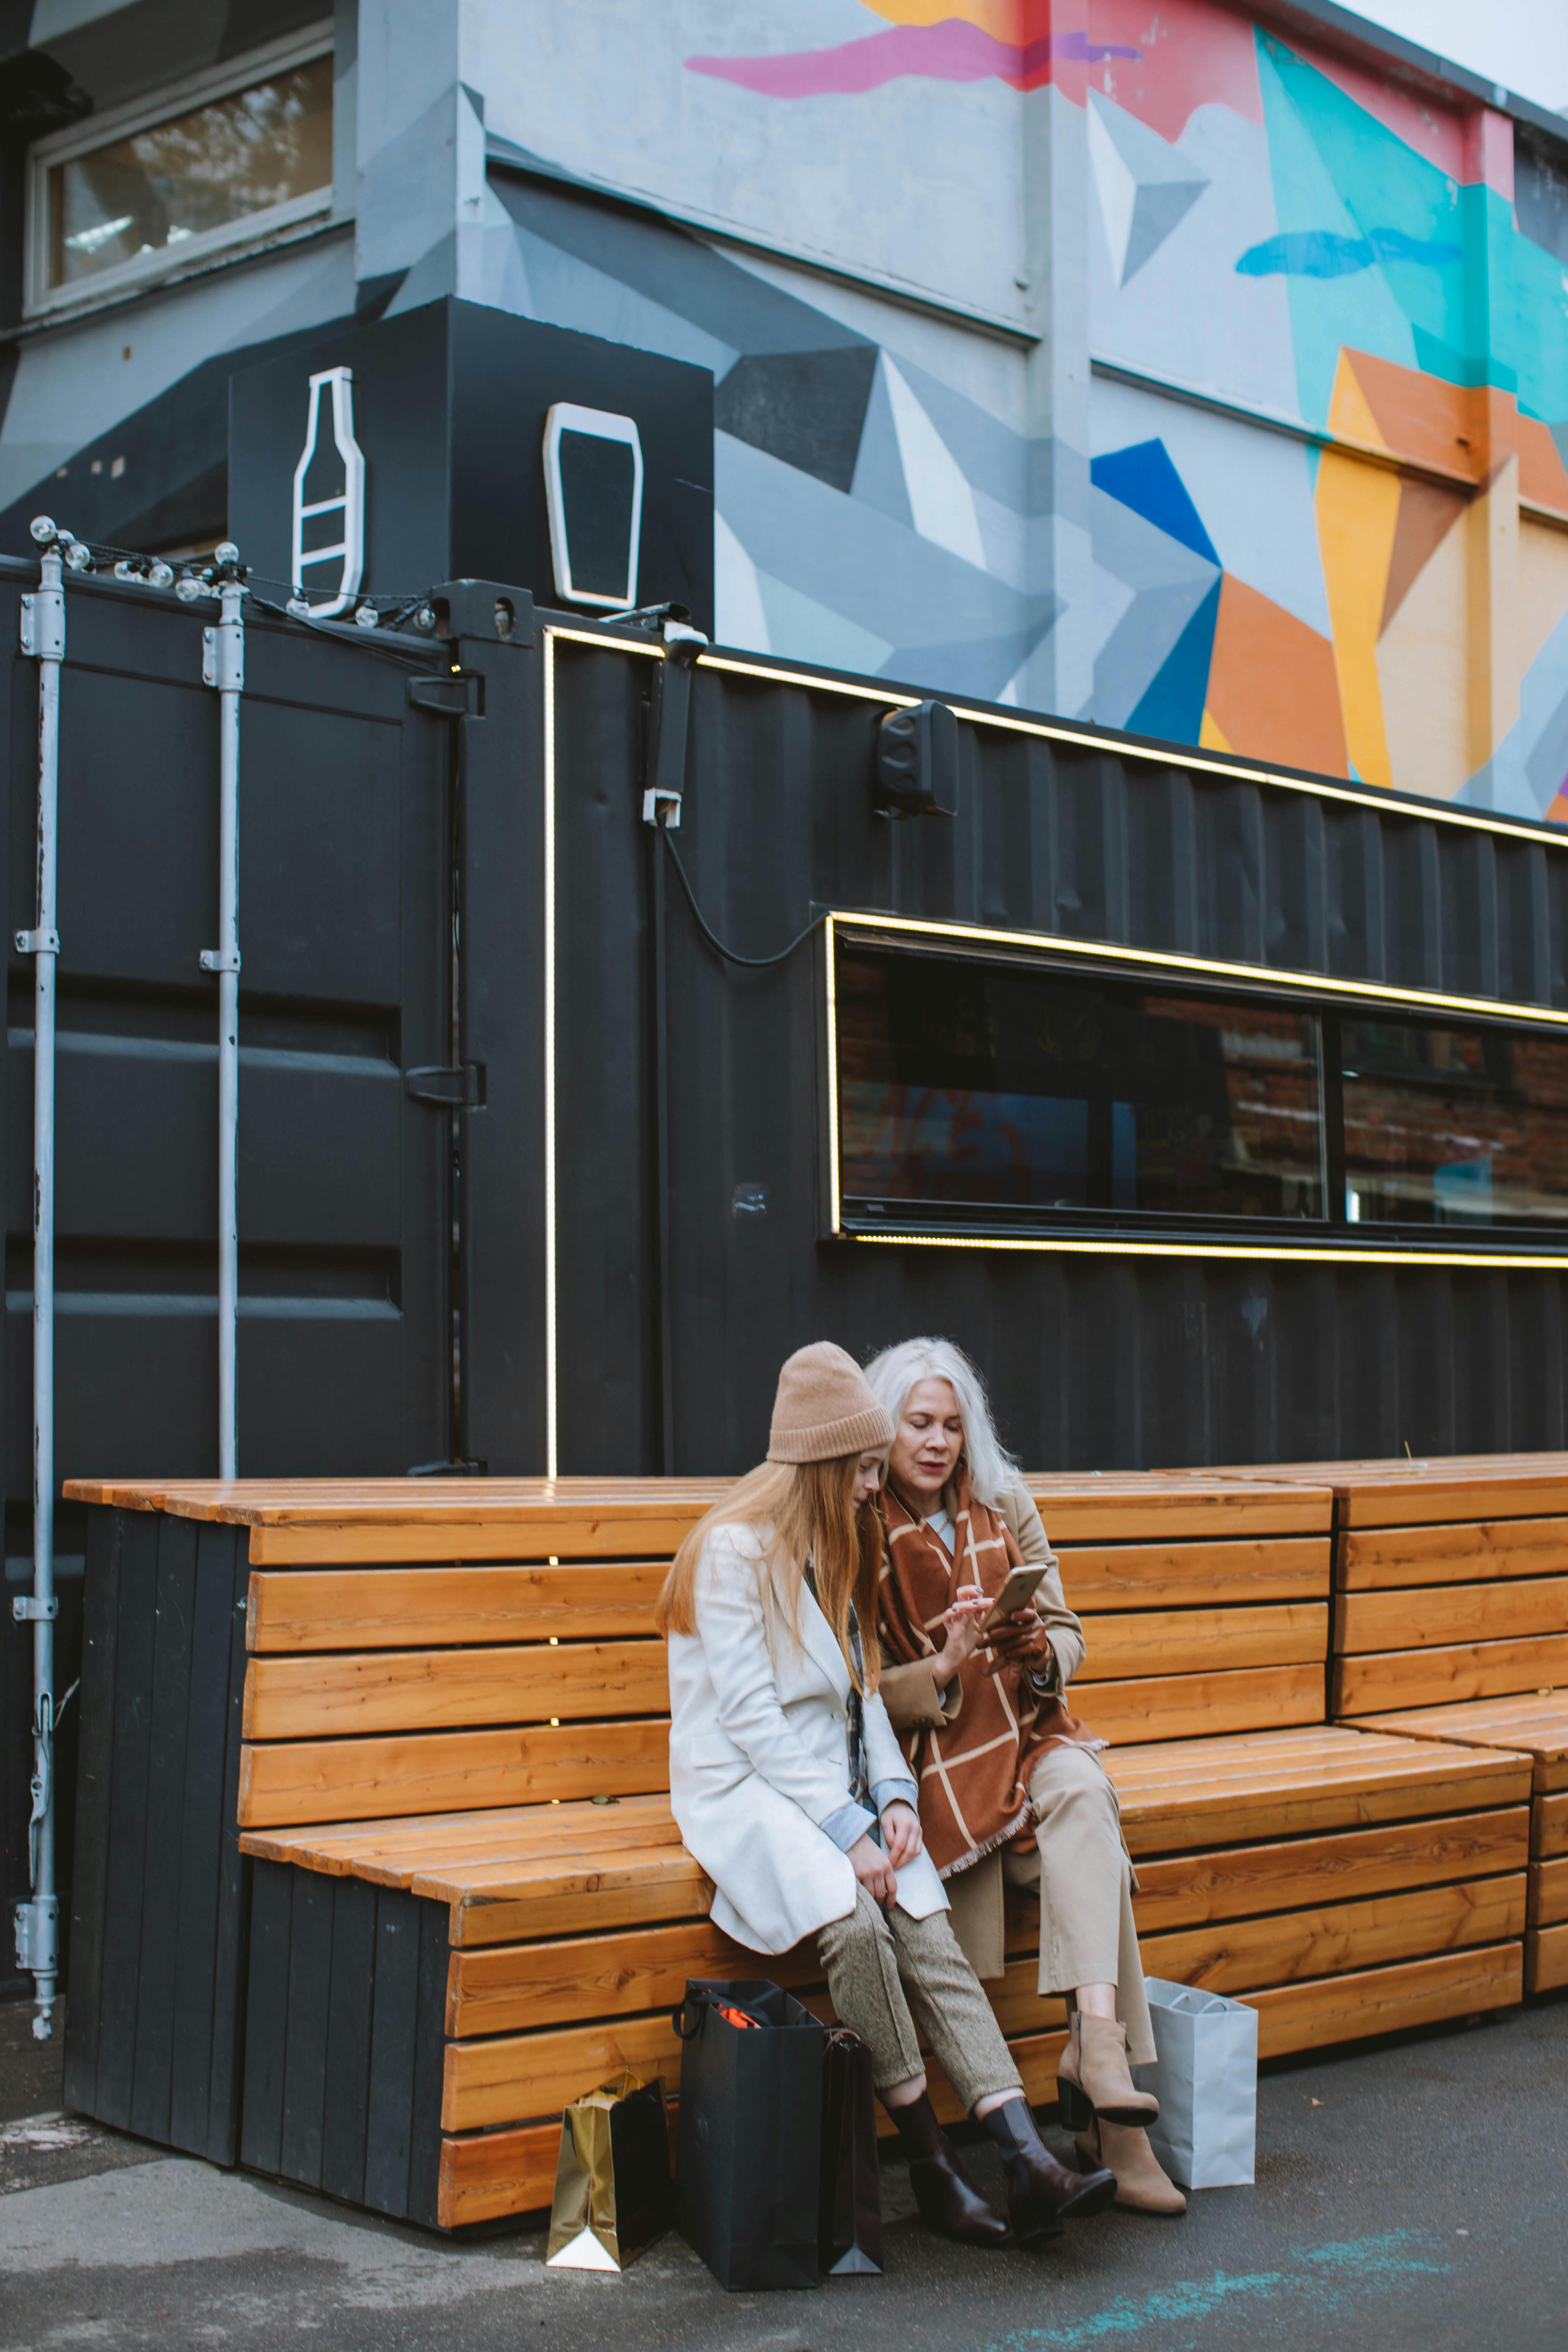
point(892, 1375)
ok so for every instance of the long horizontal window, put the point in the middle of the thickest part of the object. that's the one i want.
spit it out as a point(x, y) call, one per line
point(989, 1093)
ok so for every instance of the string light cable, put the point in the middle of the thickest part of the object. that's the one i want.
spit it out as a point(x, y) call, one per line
point(193, 581)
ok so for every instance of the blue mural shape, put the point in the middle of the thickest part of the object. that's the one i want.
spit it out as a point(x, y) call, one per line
point(1172, 706)
point(1144, 479)
point(1318, 253)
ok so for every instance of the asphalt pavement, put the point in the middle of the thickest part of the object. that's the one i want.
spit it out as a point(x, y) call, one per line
point(1411, 2196)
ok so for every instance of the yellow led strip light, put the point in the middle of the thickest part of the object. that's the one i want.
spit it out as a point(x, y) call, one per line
point(1200, 763)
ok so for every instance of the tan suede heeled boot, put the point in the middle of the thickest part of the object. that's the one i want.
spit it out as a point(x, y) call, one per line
point(1139, 2180)
point(1092, 2077)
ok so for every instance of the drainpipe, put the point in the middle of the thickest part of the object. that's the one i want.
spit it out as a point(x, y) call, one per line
point(37, 1920)
point(222, 667)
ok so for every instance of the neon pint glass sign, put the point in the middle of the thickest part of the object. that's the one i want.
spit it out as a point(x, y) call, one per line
point(347, 467)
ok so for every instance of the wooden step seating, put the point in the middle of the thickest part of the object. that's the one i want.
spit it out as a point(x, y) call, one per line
point(468, 1901)
point(1451, 1623)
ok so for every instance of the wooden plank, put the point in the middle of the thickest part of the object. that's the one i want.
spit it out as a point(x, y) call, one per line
point(336, 1779)
point(1122, 1509)
point(1545, 1960)
point(1549, 1826)
point(1380, 1502)
point(1218, 1801)
point(612, 1891)
point(1317, 2014)
point(1375, 1558)
point(1168, 1642)
point(1532, 1723)
point(497, 1835)
point(1404, 1678)
point(342, 1694)
point(1240, 1954)
point(494, 2174)
point(1512, 1611)
point(1183, 1890)
point(520, 2078)
point(1179, 1707)
point(129, 1794)
point(1549, 1892)
point(96, 1720)
point(372, 1541)
point(515, 1988)
point(1187, 1575)
point(447, 1607)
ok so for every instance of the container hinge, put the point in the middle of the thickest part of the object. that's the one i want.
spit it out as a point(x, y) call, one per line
point(223, 657)
point(38, 943)
point(27, 1608)
point(44, 624)
point(450, 694)
point(215, 959)
point(462, 1088)
point(38, 1935)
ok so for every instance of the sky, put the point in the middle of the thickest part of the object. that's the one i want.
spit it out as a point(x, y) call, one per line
point(1523, 43)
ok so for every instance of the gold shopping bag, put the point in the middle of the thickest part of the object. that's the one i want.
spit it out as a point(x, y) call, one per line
point(613, 2193)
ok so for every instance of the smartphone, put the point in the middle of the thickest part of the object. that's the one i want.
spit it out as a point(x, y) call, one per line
point(1017, 1593)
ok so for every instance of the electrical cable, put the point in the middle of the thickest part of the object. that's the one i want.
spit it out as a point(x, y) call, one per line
point(750, 963)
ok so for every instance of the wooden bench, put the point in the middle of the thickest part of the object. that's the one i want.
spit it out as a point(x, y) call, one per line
point(1451, 1623)
point(468, 1903)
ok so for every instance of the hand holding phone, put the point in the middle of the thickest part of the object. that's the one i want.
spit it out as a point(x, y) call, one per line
point(1016, 1594)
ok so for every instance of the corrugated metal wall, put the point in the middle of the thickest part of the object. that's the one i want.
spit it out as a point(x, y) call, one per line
point(1110, 1362)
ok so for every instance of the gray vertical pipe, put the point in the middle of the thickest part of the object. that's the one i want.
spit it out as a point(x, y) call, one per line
point(224, 668)
point(38, 1921)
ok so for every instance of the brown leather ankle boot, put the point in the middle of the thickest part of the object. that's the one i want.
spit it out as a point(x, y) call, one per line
point(1092, 2077)
point(1045, 2194)
point(948, 2199)
point(1141, 2181)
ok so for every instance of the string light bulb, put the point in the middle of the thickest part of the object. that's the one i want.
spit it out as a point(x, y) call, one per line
point(366, 616)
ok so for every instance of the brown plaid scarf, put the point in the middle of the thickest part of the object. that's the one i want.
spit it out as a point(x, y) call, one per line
point(973, 1780)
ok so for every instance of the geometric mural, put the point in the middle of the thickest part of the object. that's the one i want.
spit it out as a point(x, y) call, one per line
point(1311, 503)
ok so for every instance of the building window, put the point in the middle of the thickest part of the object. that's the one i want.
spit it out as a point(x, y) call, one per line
point(226, 158)
point(990, 1095)
point(1453, 1127)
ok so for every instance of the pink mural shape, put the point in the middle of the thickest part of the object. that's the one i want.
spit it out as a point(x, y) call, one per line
point(953, 51)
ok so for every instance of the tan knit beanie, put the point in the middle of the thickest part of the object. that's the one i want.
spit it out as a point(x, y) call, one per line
point(823, 1408)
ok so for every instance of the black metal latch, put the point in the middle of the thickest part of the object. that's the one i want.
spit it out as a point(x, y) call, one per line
point(459, 1089)
point(450, 694)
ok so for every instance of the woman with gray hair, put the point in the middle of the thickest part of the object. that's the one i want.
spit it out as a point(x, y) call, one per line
point(1011, 1785)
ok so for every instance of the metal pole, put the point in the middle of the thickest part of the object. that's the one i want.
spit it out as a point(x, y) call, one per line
point(38, 1921)
point(222, 667)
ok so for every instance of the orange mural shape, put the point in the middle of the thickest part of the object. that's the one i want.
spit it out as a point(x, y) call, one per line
point(1273, 690)
point(1458, 428)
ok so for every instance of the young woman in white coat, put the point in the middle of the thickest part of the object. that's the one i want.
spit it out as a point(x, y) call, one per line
point(1012, 1788)
point(789, 1788)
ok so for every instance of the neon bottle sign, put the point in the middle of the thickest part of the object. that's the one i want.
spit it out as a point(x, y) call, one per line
point(349, 501)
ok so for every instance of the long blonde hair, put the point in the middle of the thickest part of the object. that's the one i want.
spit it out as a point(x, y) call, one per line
point(801, 1511)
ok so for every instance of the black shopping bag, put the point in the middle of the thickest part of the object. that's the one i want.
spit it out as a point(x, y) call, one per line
point(849, 2209)
point(613, 2192)
point(749, 2137)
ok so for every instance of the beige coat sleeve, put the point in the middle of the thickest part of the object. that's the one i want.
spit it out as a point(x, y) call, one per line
point(913, 1700)
point(1017, 1508)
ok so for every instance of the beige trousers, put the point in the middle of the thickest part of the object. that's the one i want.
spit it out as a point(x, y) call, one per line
point(889, 1973)
point(1085, 1880)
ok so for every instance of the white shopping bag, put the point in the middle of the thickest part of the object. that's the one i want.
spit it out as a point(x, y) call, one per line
point(1207, 2084)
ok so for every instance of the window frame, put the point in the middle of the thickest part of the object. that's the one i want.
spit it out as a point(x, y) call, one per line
point(1144, 1232)
point(41, 300)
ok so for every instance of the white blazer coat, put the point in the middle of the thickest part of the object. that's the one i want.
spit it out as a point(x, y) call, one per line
point(759, 1756)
